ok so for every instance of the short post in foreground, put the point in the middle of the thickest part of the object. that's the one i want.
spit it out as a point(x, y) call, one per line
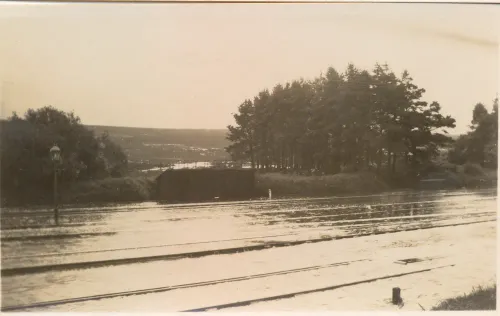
point(55, 154)
point(396, 295)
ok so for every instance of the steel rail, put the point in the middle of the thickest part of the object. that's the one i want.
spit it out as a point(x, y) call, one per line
point(196, 254)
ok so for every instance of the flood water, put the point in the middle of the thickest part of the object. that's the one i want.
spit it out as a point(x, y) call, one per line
point(100, 250)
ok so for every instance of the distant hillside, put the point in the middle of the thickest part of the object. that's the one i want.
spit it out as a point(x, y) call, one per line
point(206, 138)
point(153, 146)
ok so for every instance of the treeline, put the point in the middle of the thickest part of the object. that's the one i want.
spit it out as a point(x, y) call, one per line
point(27, 170)
point(353, 120)
point(480, 144)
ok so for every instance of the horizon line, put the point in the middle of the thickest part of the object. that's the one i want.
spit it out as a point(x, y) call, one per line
point(164, 128)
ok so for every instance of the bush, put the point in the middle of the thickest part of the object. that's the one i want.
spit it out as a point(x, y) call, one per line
point(27, 171)
point(110, 190)
point(473, 169)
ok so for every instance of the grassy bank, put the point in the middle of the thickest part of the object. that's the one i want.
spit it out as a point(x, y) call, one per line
point(474, 176)
point(337, 184)
point(478, 300)
point(139, 187)
point(466, 176)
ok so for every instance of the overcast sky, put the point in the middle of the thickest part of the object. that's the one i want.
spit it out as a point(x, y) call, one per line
point(191, 65)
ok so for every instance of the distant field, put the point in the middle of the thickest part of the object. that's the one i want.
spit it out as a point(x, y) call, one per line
point(152, 147)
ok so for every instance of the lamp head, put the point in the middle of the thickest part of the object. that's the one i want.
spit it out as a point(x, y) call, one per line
point(55, 153)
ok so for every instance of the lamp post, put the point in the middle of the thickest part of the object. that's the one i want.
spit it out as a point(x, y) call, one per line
point(55, 154)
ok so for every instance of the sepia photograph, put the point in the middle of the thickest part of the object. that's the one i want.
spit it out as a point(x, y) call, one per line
point(227, 156)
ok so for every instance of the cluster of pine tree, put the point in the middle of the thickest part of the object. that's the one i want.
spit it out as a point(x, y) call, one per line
point(340, 121)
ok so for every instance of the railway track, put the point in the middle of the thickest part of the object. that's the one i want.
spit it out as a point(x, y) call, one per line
point(260, 239)
point(6, 272)
point(416, 207)
point(294, 294)
point(414, 214)
point(89, 298)
point(176, 287)
point(231, 205)
point(308, 222)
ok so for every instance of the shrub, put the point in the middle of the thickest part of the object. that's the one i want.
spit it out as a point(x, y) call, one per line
point(110, 190)
point(27, 170)
point(473, 169)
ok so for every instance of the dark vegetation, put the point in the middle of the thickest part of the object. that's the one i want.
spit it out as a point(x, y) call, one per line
point(356, 132)
point(479, 147)
point(26, 166)
point(337, 122)
point(99, 164)
point(359, 121)
point(110, 190)
point(478, 300)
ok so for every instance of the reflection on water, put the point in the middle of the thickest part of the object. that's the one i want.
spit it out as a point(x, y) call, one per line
point(148, 229)
point(152, 225)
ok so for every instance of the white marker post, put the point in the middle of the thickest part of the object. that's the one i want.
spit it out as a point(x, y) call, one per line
point(270, 194)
